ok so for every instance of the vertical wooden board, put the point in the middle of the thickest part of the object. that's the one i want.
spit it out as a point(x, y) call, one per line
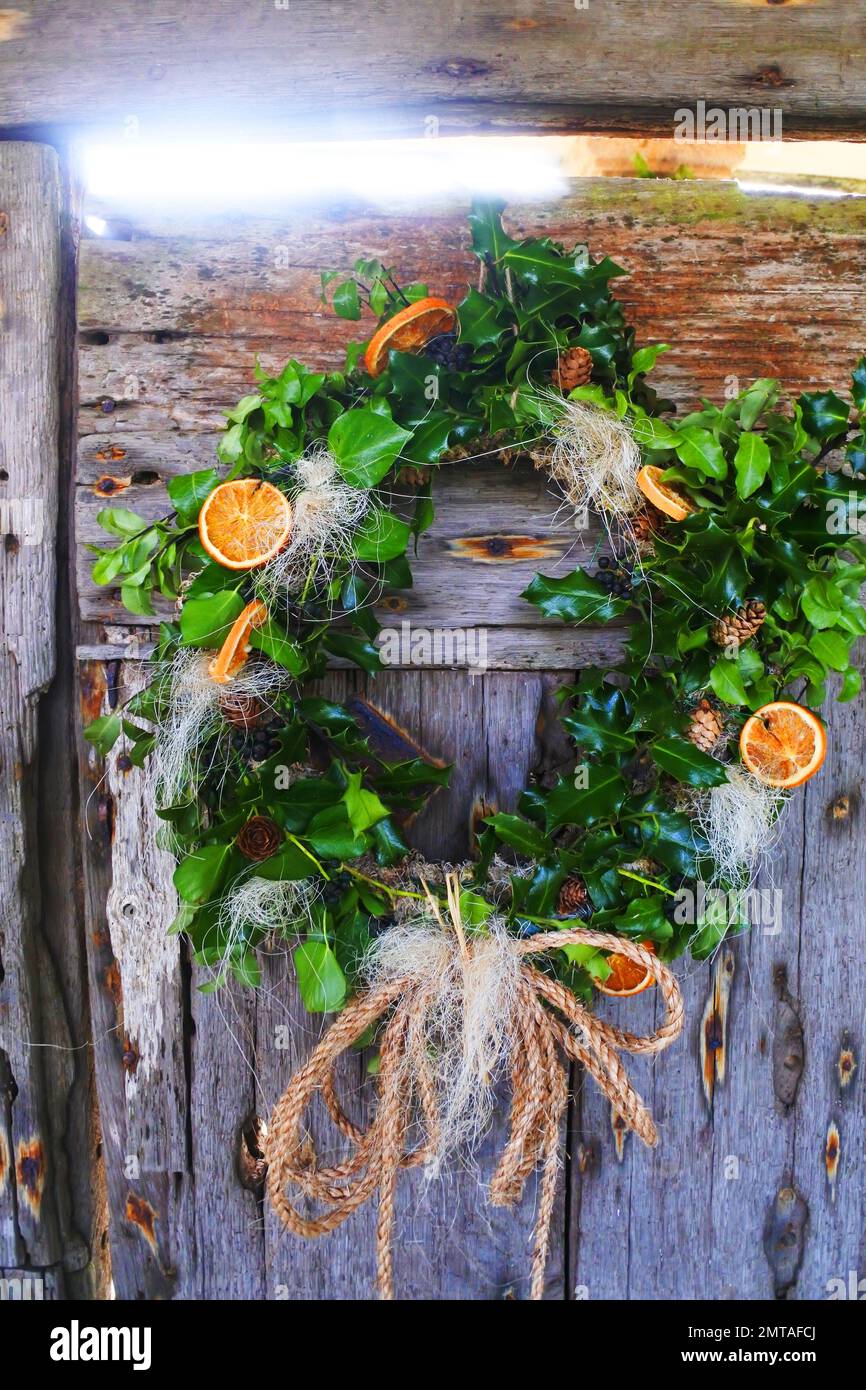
point(142, 903)
point(753, 1065)
point(831, 1115)
point(30, 203)
point(220, 1236)
point(140, 1206)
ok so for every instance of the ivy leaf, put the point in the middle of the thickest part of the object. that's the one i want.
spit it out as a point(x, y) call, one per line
point(119, 521)
point(727, 682)
point(687, 763)
point(575, 598)
point(205, 622)
point(136, 599)
point(320, 980)
point(103, 732)
point(754, 402)
point(189, 490)
point(831, 649)
point(699, 449)
point(276, 643)
point(199, 877)
point(751, 462)
point(821, 601)
point(365, 444)
point(381, 536)
point(345, 301)
point(851, 684)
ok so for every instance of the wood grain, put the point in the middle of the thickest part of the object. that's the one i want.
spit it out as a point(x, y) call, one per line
point(218, 67)
point(31, 1010)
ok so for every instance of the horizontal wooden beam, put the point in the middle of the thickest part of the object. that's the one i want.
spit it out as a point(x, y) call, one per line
point(285, 67)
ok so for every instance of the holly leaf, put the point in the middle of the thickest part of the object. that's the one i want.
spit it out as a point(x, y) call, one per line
point(824, 413)
point(570, 803)
point(686, 763)
point(576, 598)
point(521, 834)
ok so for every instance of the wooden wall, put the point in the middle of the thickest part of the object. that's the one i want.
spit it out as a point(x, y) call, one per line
point(740, 1199)
point(283, 66)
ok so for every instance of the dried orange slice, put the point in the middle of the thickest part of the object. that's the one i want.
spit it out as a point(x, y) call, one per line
point(664, 496)
point(236, 648)
point(783, 744)
point(626, 976)
point(408, 331)
point(243, 524)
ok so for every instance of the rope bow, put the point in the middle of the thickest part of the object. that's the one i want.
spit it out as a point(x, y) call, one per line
point(547, 1028)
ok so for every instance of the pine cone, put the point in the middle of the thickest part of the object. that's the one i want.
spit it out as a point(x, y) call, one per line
point(736, 628)
point(259, 839)
point(706, 728)
point(573, 899)
point(245, 712)
point(646, 524)
point(573, 369)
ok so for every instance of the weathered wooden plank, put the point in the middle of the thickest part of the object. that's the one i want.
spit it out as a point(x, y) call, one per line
point(140, 1206)
point(830, 1116)
point(532, 66)
point(30, 257)
point(141, 903)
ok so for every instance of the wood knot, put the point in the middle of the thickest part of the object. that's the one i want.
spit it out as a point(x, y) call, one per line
point(251, 1163)
point(140, 1214)
point(4, 223)
point(771, 76)
point(131, 1056)
point(840, 809)
point(846, 1067)
point(460, 68)
point(107, 485)
point(784, 1238)
point(30, 1172)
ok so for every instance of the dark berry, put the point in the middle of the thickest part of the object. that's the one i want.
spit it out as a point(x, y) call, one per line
point(604, 562)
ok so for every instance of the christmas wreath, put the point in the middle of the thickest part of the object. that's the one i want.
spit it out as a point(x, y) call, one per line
point(735, 548)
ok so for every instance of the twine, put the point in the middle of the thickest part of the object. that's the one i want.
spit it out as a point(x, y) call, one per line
point(549, 1028)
